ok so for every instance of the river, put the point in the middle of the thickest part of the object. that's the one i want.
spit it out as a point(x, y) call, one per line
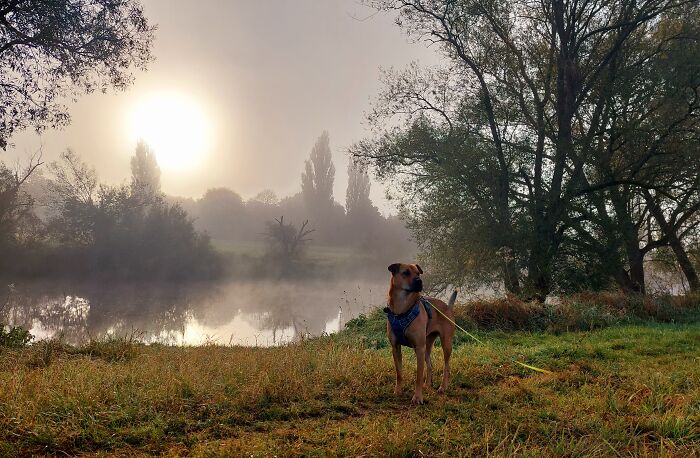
point(250, 312)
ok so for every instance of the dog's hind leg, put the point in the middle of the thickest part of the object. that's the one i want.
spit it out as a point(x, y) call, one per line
point(396, 353)
point(428, 360)
point(446, 352)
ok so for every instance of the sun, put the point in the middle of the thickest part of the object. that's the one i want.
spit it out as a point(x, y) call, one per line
point(175, 128)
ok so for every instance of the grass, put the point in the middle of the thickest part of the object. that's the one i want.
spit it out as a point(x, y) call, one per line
point(630, 389)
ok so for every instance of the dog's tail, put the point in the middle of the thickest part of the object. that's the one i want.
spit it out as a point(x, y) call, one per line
point(452, 300)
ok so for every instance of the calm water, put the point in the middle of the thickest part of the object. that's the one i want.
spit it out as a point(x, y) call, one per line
point(259, 313)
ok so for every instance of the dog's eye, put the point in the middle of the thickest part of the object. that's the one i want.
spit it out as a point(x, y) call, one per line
point(407, 273)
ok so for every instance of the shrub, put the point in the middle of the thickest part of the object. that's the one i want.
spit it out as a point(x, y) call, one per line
point(508, 313)
point(14, 336)
point(578, 312)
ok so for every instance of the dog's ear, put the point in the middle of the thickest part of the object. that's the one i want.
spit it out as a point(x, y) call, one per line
point(420, 271)
point(394, 268)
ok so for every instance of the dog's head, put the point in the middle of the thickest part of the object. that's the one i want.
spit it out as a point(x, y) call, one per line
point(406, 277)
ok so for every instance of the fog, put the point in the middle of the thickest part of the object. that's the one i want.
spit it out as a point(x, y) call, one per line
point(268, 77)
point(171, 209)
point(183, 169)
point(91, 260)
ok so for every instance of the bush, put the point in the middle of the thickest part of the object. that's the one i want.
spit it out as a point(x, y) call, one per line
point(14, 336)
point(578, 312)
point(509, 313)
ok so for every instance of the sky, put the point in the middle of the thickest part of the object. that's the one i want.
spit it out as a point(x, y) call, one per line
point(266, 77)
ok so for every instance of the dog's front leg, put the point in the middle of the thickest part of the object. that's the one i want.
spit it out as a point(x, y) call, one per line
point(396, 353)
point(420, 374)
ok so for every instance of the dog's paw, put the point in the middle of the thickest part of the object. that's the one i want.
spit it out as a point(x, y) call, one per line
point(397, 390)
point(442, 389)
point(417, 399)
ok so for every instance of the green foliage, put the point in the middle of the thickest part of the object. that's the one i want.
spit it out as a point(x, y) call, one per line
point(529, 158)
point(14, 336)
point(53, 50)
point(127, 232)
point(579, 312)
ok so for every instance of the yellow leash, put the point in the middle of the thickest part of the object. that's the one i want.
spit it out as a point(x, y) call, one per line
point(534, 368)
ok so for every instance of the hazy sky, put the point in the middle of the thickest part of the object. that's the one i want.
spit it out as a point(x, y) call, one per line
point(268, 76)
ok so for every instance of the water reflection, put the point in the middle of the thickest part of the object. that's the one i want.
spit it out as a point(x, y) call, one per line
point(244, 313)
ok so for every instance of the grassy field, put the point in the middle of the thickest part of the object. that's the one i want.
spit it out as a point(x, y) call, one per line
point(619, 391)
point(631, 388)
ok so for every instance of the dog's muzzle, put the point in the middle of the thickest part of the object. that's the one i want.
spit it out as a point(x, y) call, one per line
point(416, 285)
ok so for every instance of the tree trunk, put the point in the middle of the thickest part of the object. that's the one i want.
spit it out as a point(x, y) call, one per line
point(630, 237)
point(510, 277)
point(684, 262)
point(625, 282)
point(539, 269)
point(675, 243)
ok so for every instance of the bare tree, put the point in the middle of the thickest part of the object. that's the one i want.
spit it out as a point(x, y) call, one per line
point(72, 180)
point(287, 240)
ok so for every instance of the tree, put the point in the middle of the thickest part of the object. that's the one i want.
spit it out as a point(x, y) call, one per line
point(220, 213)
point(317, 178)
point(287, 241)
point(363, 223)
point(647, 146)
point(72, 179)
point(145, 173)
point(504, 153)
point(73, 191)
point(357, 195)
point(53, 49)
point(266, 197)
point(15, 204)
point(99, 229)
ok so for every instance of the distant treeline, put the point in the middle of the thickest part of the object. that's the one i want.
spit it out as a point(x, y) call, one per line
point(64, 223)
point(58, 220)
point(225, 215)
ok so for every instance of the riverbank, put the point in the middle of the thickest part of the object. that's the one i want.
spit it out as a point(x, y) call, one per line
point(629, 388)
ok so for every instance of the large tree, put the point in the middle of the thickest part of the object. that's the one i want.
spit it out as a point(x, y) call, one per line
point(145, 173)
point(357, 194)
point(507, 150)
point(317, 178)
point(55, 50)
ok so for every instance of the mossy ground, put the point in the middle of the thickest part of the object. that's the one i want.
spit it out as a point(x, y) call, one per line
point(622, 390)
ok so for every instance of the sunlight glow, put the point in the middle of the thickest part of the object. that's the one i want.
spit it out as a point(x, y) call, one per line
point(174, 127)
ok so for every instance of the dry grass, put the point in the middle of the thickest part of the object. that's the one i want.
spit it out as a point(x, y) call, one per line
point(580, 312)
point(631, 390)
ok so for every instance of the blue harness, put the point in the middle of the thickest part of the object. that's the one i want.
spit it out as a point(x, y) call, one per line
point(399, 323)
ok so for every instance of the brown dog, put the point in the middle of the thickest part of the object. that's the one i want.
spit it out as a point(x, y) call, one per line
point(404, 293)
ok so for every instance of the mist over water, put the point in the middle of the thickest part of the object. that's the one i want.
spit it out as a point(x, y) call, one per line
point(248, 312)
